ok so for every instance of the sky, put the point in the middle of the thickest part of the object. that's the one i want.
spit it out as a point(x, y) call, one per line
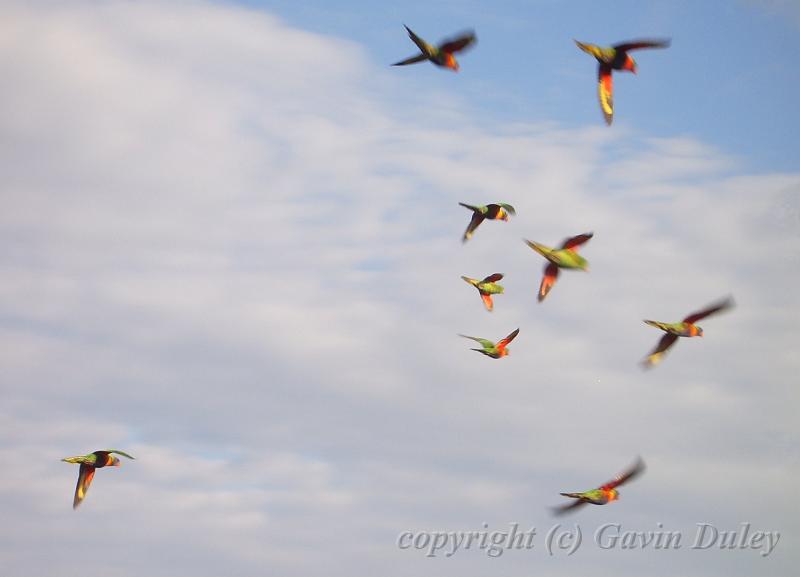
point(232, 249)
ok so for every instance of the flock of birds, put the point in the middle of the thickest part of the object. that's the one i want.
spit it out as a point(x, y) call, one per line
point(566, 256)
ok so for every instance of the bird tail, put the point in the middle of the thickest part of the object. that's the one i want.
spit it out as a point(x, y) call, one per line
point(573, 495)
point(469, 206)
point(473, 281)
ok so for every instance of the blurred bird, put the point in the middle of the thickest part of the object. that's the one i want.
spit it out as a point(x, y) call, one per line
point(615, 58)
point(441, 55)
point(499, 211)
point(89, 463)
point(565, 257)
point(493, 350)
point(487, 287)
point(685, 328)
point(603, 494)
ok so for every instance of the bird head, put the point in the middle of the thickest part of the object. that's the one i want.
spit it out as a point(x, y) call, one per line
point(699, 332)
point(505, 353)
point(115, 462)
point(630, 64)
point(504, 215)
point(450, 61)
point(613, 495)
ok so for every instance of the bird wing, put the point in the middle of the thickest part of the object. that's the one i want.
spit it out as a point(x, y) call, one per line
point(504, 343)
point(638, 44)
point(636, 469)
point(658, 353)
point(487, 301)
point(573, 242)
point(411, 60)
point(458, 43)
point(85, 477)
point(471, 207)
point(118, 452)
point(476, 219)
point(715, 308)
point(426, 48)
point(485, 343)
point(590, 49)
point(508, 208)
point(569, 507)
point(493, 277)
point(548, 280)
point(605, 91)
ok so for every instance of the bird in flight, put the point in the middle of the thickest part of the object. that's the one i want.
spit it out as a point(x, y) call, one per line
point(89, 463)
point(564, 257)
point(491, 349)
point(685, 328)
point(603, 494)
point(499, 211)
point(487, 287)
point(615, 58)
point(441, 55)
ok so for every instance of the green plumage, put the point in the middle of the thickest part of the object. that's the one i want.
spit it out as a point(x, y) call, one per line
point(561, 257)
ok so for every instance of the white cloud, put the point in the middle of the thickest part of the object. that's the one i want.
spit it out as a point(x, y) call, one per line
point(226, 252)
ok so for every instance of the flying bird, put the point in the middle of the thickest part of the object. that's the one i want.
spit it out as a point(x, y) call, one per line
point(685, 328)
point(487, 287)
point(499, 211)
point(490, 349)
point(603, 494)
point(565, 257)
point(89, 463)
point(615, 58)
point(441, 55)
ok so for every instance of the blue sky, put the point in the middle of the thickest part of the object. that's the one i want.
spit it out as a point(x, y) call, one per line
point(232, 249)
point(729, 77)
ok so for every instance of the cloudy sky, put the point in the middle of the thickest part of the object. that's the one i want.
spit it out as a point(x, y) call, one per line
point(232, 248)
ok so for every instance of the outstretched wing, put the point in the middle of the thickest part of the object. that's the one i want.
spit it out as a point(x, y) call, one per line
point(605, 91)
point(476, 219)
point(426, 48)
point(548, 280)
point(485, 343)
point(493, 277)
point(85, 477)
point(504, 343)
point(715, 308)
point(459, 43)
point(411, 60)
point(638, 44)
point(574, 242)
point(657, 355)
point(118, 452)
point(577, 503)
point(487, 301)
point(635, 470)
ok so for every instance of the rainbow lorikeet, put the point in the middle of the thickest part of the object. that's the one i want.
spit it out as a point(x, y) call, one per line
point(685, 328)
point(491, 349)
point(499, 211)
point(487, 287)
point(565, 257)
point(441, 55)
point(615, 58)
point(89, 463)
point(603, 494)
